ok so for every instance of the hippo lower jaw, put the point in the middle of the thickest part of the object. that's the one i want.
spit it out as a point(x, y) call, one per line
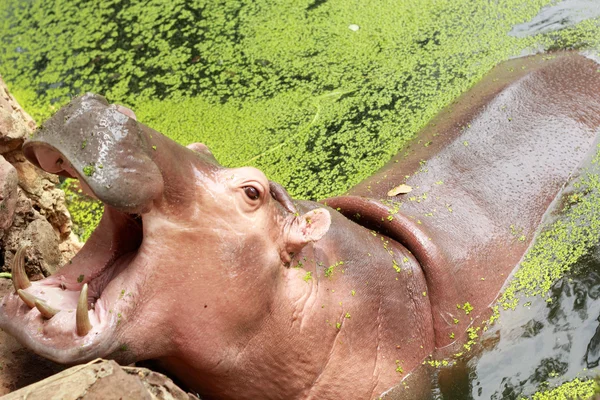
point(106, 266)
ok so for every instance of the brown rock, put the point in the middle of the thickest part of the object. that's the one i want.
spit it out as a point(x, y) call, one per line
point(8, 194)
point(101, 379)
point(37, 211)
point(32, 209)
point(15, 123)
point(42, 188)
point(43, 258)
point(43, 252)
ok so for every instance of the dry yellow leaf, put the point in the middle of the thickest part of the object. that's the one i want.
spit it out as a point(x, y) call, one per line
point(401, 189)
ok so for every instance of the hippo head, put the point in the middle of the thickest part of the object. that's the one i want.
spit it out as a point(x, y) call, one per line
point(182, 250)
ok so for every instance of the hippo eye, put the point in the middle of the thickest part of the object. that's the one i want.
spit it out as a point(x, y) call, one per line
point(252, 192)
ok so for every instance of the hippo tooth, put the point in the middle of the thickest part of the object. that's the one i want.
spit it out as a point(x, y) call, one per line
point(20, 279)
point(44, 309)
point(27, 298)
point(82, 318)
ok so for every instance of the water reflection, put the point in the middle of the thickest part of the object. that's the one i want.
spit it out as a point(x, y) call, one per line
point(537, 346)
point(558, 16)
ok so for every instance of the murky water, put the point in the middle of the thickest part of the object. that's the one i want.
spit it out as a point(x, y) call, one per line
point(558, 16)
point(536, 346)
point(541, 344)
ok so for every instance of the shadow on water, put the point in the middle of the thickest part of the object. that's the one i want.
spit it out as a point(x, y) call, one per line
point(537, 346)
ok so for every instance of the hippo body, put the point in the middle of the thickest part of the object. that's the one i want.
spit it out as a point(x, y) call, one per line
point(488, 167)
point(241, 292)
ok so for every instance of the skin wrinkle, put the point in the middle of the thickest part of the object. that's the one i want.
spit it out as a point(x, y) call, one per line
point(314, 284)
point(315, 382)
point(419, 317)
point(305, 300)
point(316, 295)
point(255, 333)
point(286, 229)
point(137, 304)
point(375, 374)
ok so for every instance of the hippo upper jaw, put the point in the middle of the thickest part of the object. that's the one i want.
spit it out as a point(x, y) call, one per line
point(114, 155)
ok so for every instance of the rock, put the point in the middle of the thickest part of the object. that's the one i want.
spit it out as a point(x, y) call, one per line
point(42, 188)
point(8, 194)
point(15, 123)
point(44, 252)
point(35, 210)
point(101, 379)
point(32, 208)
point(44, 256)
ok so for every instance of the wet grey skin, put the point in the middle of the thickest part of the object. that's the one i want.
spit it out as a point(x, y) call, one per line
point(113, 152)
point(243, 293)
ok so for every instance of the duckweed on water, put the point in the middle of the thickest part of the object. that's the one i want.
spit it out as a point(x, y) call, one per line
point(287, 88)
point(85, 212)
point(559, 246)
point(575, 389)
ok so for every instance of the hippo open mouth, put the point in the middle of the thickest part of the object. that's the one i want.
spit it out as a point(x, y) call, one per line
point(73, 315)
point(76, 314)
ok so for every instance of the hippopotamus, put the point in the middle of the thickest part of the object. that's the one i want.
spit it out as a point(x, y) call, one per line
point(242, 292)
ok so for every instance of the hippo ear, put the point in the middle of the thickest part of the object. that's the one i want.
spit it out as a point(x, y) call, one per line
point(126, 111)
point(309, 227)
point(199, 148)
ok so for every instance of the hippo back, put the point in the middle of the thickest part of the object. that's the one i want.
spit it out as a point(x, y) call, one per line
point(483, 174)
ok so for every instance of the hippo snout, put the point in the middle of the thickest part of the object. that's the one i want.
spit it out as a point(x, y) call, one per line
point(109, 151)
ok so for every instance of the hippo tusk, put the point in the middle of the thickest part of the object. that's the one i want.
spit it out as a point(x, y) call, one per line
point(27, 298)
point(44, 309)
point(20, 279)
point(82, 318)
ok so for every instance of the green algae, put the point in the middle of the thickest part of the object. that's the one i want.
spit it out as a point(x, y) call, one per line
point(558, 247)
point(288, 88)
point(85, 212)
point(575, 389)
point(307, 277)
point(89, 170)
